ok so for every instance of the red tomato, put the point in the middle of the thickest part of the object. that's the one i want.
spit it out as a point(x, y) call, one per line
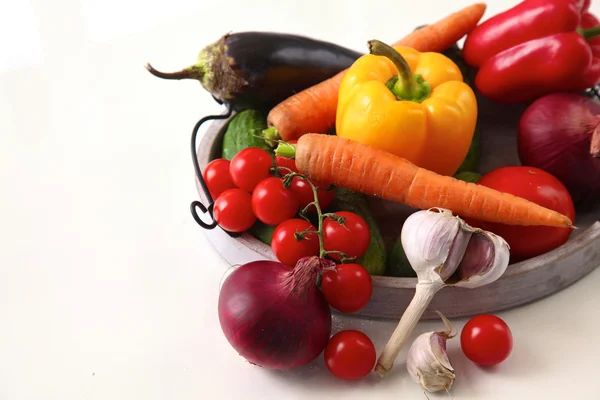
point(486, 340)
point(304, 193)
point(217, 178)
point(348, 288)
point(287, 248)
point(352, 238)
point(539, 187)
point(249, 167)
point(233, 210)
point(285, 162)
point(350, 355)
point(272, 203)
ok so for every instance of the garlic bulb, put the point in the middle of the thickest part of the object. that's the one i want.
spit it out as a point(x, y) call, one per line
point(444, 251)
point(427, 361)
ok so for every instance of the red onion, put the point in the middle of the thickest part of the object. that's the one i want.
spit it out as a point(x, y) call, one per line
point(560, 133)
point(274, 315)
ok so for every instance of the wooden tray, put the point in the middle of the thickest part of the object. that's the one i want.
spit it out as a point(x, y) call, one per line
point(522, 283)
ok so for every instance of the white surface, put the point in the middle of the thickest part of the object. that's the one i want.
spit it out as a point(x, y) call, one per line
point(108, 288)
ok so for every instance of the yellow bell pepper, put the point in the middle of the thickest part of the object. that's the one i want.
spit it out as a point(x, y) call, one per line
point(411, 104)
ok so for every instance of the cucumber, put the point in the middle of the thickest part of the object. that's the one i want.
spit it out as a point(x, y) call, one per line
point(468, 176)
point(398, 264)
point(243, 131)
point(374, 259)
point(262, 232)
point(471, 161)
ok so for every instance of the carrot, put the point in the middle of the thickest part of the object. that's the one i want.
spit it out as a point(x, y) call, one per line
point(313, 109)
point(445, 32)
point(342, 162)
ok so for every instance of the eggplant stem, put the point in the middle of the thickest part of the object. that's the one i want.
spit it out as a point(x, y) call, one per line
point(183, 74)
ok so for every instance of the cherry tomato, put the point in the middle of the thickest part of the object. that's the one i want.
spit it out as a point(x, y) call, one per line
point(350, 355)
point(272, 203)
point(233, 210)
point(348, 288)
point(285, 162)
point(287, 248)
point(217, 178)
point(352, 238)
point(539, 187)
point(486, 340)
point(249, 167)
point(304, 193)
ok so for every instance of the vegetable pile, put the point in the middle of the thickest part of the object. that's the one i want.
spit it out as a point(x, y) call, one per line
point(278, 314)
point(321, 130)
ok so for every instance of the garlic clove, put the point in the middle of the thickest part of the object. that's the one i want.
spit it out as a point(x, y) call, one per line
point(432, 238)
point(428, 364)
point(456, 253)
point(442, 247)
point(427, 360)
point(486, 259)
point(444, 251)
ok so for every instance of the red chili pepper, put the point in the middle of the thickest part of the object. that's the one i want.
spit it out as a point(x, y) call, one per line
point(586, 5)
point(528, 20)
point(589, 20)
point(560, 62)
point(536, 47)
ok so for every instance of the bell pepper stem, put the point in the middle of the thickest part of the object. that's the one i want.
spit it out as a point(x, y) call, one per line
point(589, 32)
point(405, 86)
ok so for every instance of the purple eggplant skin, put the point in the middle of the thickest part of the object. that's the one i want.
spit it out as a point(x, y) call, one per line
point(258, 70)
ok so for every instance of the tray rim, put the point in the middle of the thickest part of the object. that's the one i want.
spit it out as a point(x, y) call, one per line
point(573, 245)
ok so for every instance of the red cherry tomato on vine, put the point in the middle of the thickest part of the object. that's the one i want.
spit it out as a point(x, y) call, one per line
point(352, 238)
point(350, 355)
point(285, 162)
point(348, 288)
point(539, 187)
point(233, 210)
point(304, 193)
point(486, 340)
point(287, 248)
point(272, 203)
point(217, 178)
point(249, 167)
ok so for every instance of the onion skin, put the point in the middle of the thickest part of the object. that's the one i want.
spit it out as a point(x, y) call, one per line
point(274, 315)
point(555, 134)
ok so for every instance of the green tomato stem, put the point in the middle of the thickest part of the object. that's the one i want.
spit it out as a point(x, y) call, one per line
point(287, 180)
point(304, 211)
point(343, 256)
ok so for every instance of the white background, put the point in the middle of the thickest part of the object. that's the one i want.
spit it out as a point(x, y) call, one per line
point(108, 288)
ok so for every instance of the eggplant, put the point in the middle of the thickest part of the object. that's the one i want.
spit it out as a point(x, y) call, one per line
point(260, 69)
